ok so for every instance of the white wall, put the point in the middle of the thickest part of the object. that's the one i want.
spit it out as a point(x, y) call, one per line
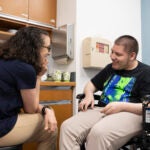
point(66, 12)
point(108, 19)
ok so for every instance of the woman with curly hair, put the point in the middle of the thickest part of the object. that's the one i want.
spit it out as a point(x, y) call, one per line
point(23, 60)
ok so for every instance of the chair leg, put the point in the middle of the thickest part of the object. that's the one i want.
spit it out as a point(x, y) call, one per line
point(82, 147)
point(133, 147)
point(124, 148)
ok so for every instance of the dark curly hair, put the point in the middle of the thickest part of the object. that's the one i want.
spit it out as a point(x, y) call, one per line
point(25, 45)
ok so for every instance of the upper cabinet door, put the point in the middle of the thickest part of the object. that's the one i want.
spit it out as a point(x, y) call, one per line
point(43, 11)
point(17, 8)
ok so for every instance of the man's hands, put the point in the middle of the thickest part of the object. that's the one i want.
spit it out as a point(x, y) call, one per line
point(113, 107)
point(50, 120)
point(86, 102)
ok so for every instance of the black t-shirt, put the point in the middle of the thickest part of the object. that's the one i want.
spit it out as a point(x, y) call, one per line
point(123, 85)
point(14, 76)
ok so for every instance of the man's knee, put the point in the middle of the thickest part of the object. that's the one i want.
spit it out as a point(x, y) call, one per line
point(99, 134)
point(65, 126)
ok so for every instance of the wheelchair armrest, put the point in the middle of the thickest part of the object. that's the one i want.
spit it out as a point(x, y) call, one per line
point(96, 97)
point(82, 95)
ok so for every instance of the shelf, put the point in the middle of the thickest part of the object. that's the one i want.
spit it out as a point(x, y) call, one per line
point(5, 35)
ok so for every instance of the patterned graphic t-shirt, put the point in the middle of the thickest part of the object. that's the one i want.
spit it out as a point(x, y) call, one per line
point(117, 88)
point(122, 85)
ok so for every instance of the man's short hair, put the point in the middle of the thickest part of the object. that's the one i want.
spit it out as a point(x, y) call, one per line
point(129, 42)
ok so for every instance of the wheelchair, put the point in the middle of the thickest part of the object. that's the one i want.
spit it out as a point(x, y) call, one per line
point(140, 142)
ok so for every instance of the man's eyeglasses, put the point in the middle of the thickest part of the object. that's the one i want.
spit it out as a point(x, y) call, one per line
point(48, 47)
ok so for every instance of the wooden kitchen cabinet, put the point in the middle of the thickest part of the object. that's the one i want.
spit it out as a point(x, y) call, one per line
point(60, 96)
point(41, 12)
point(14, 8)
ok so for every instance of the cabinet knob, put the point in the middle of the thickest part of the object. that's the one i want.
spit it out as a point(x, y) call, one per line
point(52, 20)
point(24, 15)
point(1, 8)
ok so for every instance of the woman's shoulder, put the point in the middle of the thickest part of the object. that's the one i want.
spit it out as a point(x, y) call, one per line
point(20, 63)
point(22, 68)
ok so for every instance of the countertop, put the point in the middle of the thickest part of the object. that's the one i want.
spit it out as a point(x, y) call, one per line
point(54, 83)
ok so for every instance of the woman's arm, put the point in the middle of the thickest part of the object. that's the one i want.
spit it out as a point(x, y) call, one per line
point(31, 105)
point(30, 98)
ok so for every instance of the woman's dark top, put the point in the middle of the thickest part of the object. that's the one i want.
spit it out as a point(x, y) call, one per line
point(14, 76)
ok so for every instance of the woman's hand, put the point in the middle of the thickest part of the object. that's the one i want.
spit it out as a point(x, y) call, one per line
point(44, 70)
point(50, 120)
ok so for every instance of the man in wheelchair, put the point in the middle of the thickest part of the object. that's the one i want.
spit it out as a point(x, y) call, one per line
point(123, 84)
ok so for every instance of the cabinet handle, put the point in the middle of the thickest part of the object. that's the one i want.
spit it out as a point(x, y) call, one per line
point(24, 15)
point(1, 8)
point(52, 20)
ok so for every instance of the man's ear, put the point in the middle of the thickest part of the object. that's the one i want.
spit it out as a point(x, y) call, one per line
point(132, 55)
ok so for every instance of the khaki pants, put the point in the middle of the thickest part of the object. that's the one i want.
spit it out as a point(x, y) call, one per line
point(101, 132)
point(30, 128)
